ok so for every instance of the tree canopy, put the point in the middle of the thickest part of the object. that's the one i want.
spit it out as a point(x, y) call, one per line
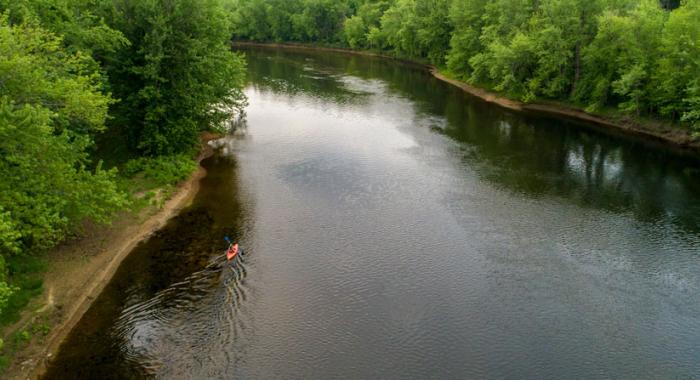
point(156, 72)
point(177, 76)
point(51, 104)
point(640, 57)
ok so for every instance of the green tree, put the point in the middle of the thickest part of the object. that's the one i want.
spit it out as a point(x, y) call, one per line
point(467, 20)
point(50, 103)
point(178, 76)
point(691, 114)
point(560, 30)
point(418, 28)
point(265, 20)
point(321, 20)
point(6, 290)
point(76, 21)
point(502, 19)
point(679, 65)
point(357, 27)
point(249, 20)
point(355, 32)
point(619, 62)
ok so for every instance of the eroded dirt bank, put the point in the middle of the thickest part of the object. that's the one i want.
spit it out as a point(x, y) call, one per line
point(652, 130)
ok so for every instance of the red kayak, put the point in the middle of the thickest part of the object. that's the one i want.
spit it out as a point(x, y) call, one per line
point(232, 251)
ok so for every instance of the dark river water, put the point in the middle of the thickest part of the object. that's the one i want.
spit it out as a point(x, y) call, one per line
point(395, 227)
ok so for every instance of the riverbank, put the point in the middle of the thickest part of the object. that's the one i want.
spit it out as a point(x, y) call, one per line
point(656, 131)
point(80, 269)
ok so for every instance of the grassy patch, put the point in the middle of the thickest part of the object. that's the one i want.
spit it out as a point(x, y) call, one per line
point(148, 173)
point(4, 362)
point(25, 273)
point(39, 328)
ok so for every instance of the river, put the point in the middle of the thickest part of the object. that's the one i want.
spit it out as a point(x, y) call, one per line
point(396, 227)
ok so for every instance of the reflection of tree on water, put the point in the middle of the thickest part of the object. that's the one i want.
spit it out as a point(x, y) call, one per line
point(316, 76)
point(238, 124)
point(541, 156)
point(236, 128)
point(530, 155)
point(545, 157)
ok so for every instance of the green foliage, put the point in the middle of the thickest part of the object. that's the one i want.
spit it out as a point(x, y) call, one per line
point(512, 65)
point(153, 172)
point(46, 188)
point(679, 62)
point(177, 77)
point(36, 71)
point(49, 105)
point(9, 238)
point(692, 115)
point(619, 62)
point(503, 20)
point(25, 274)
point(291, 20)
point(76, 21)
point(560, 29)
point(156, 72)
point(641, 57)
point(42, 329)
point(466, 18)
point(355, 32)
point(418, 28)
point(21, 337)
point(6, 291)
point(357, 28)
point(320, 20)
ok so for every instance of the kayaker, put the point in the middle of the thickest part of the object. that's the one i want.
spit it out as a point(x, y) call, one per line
point(232, 251)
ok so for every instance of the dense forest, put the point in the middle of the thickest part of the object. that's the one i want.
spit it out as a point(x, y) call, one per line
point(97, 98)
point(637, 57)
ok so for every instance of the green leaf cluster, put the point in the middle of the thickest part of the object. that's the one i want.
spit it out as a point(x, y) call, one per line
point(146, 173)
point(154, 73)
point(177, 76)
point(50, 104)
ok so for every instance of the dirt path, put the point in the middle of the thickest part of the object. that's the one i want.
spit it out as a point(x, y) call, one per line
point(79, 271)
point(657, 131)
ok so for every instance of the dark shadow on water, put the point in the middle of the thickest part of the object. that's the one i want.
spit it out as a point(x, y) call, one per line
point(528, 154)
point(164, 276)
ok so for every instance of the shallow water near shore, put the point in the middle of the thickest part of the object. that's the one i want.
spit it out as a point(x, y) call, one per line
point(395, 227)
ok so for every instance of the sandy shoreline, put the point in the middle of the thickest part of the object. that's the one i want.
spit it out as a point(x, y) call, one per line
point(657, 131)
point(81, 269)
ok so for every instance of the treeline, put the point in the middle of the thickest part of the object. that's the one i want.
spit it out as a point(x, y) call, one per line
point(148, 75)
point(641, 57)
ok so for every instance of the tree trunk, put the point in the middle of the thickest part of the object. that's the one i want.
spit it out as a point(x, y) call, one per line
point(577, 68)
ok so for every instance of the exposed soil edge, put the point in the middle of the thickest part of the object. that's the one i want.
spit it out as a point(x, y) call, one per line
point(652, 130)
point(75, 309)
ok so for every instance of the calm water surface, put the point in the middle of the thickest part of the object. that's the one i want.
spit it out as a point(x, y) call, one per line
point(395, 227)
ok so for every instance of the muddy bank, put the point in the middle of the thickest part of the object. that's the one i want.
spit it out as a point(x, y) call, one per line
point(79, 270)
point(652, 130)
